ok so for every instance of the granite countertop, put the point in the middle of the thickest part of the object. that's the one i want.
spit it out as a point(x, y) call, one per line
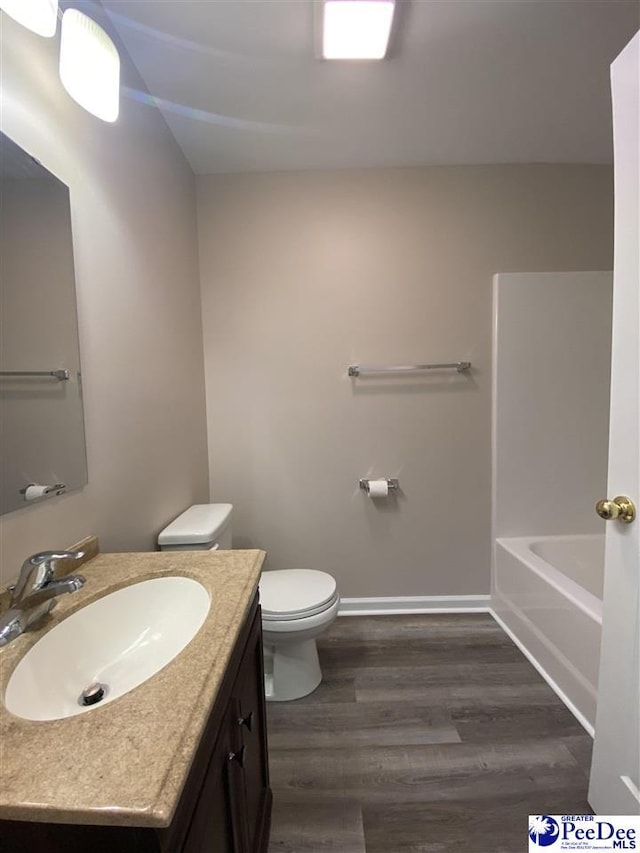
point(126, 763)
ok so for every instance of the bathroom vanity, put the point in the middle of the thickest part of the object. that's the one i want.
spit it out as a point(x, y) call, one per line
point(176, 765)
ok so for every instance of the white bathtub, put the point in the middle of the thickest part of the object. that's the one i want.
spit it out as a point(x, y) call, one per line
point(547, 592)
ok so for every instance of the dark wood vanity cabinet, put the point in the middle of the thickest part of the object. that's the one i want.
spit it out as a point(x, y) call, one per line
point(249, 765)
point(217, 823)
point(225, 805)
point(233, 807)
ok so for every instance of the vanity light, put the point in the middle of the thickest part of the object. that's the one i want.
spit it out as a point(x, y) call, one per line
point(356, 29)
point(90, 65)
point(39, 16)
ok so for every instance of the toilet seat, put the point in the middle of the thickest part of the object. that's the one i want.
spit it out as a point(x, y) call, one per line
point(290, 594)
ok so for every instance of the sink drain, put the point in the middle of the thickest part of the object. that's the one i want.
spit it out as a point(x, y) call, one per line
point(93, 694)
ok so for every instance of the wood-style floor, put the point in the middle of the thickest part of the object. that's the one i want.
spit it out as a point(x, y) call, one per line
point(429, 734)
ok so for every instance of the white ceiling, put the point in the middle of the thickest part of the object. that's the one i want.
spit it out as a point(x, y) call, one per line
point(467, 82)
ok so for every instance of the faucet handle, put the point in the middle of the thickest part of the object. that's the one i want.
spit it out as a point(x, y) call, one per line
point(38, 569)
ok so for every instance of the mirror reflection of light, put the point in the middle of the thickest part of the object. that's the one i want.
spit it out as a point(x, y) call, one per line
point(145, 638)
point(39, 16)
point(205, 116)
point(174, 41)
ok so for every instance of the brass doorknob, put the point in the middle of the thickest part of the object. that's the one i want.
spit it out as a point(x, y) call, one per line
point(620, 509)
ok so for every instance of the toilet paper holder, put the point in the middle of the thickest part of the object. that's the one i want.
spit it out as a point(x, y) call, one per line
point(392, 483)
point(33, 491)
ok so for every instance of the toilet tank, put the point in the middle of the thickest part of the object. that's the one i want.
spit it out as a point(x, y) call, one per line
point(202, 527)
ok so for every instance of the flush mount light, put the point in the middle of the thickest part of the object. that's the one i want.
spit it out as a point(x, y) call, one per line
point(89, 65)
point(356, 29)
point(39, 16)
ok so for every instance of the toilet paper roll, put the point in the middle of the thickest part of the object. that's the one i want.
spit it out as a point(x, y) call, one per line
point(378, 488)
point(35, 490)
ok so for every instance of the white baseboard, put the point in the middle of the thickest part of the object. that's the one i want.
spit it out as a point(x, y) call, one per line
point(410, 604)
point(580, 717)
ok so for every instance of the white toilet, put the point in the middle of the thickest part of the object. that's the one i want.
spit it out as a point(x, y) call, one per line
point(297, 604)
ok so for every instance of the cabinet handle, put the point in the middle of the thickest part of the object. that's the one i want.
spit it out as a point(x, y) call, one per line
point(247, 722)
point(238, 756)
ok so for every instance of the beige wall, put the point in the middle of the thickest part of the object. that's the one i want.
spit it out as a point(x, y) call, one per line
point(133, 216)
point(305, 273)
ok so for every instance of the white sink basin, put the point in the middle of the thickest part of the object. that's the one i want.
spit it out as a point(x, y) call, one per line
point(118, 642)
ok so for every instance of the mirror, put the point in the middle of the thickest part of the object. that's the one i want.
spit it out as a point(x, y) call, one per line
point(42, 443)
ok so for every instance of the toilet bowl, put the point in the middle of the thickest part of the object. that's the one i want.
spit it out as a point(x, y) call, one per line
point(297, 604)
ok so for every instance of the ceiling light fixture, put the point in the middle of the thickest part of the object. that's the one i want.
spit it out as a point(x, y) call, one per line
point(356, 29)
point(39, 16)
point(90, 65)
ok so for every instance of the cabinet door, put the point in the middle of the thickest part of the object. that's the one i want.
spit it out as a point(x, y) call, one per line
point(248, 693)
point(216, 826)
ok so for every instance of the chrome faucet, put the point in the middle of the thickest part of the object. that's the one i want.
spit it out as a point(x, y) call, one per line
point(35, 593)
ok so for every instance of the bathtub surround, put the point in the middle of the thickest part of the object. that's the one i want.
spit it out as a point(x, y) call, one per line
point(134, 226)
point(552, 364)
point(304, 274)
point(551, 376)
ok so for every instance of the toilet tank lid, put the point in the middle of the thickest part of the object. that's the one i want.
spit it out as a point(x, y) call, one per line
point(199, 524)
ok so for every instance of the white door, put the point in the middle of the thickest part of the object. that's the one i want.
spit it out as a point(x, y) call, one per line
point(615, 772)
